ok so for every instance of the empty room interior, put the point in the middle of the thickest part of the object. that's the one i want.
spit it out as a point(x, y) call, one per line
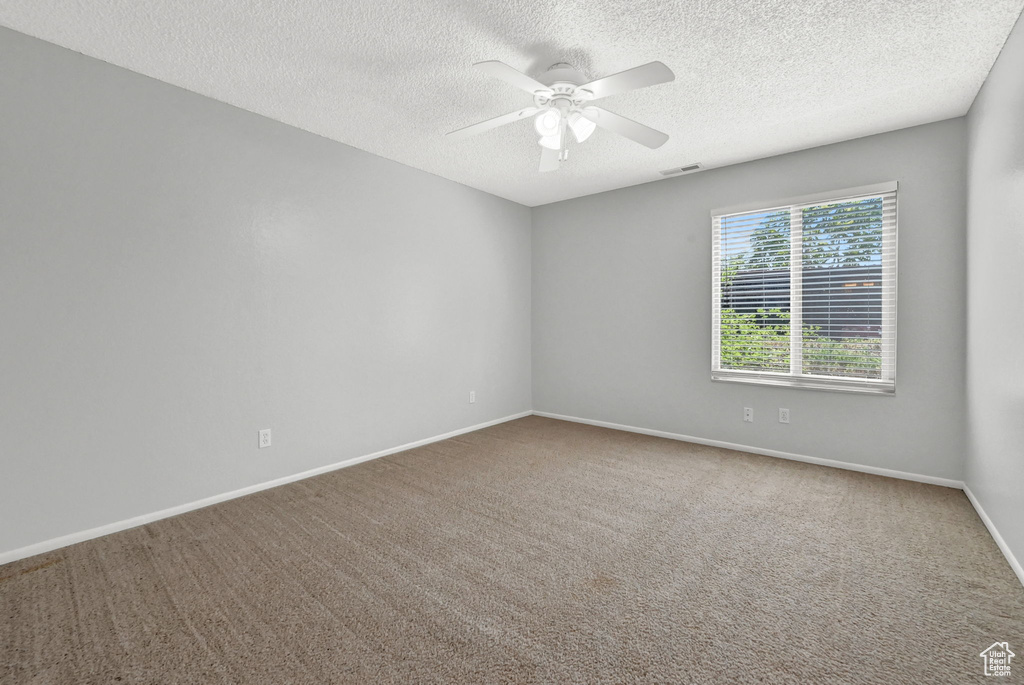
point(387, 341)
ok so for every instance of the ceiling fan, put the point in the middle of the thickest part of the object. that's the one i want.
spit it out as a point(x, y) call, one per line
point(561, 100)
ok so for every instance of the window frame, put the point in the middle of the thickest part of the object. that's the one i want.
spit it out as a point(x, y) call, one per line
point(883, 386)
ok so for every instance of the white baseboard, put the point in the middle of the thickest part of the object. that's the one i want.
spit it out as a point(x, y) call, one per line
point(903, 475)
point(849, 466)
point(73, 538)
point(1003, 547)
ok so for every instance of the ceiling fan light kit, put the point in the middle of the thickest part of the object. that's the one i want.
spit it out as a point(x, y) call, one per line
point(547, 122)
point(552, 142)
point(561, 98)
point(581, 126)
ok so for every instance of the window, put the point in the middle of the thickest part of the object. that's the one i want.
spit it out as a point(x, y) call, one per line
point(804, 292)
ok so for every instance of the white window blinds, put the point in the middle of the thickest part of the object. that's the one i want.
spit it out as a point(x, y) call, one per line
point(804, 292)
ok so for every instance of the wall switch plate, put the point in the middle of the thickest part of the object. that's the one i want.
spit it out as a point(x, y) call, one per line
point(472, 396)
point(783, 415)
point(264, 438)
point(748, 414)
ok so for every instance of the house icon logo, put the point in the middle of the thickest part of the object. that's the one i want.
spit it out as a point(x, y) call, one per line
point(997, 659)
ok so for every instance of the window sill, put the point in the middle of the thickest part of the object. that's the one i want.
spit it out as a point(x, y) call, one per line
point(862, 387)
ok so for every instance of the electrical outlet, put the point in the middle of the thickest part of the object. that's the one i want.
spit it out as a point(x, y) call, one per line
point(472, 396)
point(264, 438)
point(748, 414)
point(783, 415)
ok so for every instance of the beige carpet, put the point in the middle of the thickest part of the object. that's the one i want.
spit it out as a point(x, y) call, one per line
point(534, 551)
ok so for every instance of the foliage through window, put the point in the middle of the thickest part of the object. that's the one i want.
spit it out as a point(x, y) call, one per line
point(804, 293)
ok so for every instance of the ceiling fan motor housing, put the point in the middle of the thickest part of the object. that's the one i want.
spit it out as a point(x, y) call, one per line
point(563, 81)
point(562, 73)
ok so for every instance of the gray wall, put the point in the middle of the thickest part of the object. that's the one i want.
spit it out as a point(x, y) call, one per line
point(622, 307)
point(995, 295)
point(176, 274)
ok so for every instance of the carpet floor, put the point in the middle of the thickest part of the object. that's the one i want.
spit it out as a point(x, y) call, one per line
point(535, 551)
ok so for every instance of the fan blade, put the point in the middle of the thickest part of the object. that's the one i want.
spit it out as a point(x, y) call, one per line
point(649, 74)
point(645, 135)
point(549, 159)
point(492, 123)
point(502, 71)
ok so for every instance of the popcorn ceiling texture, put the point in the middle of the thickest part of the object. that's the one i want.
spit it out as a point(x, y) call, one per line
point(753, 78)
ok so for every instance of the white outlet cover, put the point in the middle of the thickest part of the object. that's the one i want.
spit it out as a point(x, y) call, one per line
point(264, 438)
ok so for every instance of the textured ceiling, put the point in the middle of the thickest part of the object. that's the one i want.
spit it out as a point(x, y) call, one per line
point(753, 78)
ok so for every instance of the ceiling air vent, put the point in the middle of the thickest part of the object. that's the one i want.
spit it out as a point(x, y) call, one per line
point(689, 168)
